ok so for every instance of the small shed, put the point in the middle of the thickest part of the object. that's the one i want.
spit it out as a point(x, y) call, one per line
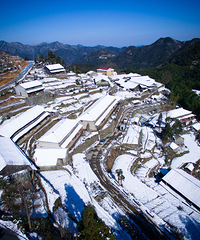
point(189, 166)
point(173, 146)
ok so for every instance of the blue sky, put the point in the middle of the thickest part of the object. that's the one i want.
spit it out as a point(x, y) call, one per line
point(110, 23)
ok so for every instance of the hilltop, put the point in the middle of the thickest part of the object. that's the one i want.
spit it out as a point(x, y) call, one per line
point(10, 66)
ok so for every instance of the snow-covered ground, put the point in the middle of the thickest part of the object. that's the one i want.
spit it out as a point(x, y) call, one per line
point(193, 155)
point(78, 186)
point(159, 202)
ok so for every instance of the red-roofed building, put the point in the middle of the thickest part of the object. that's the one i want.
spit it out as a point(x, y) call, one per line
point(106, 71)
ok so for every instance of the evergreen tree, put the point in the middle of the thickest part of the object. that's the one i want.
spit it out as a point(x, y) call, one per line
point(93, 228)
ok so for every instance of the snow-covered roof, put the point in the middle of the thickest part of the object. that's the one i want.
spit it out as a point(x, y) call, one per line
point(99, 108)
point(144, 80)
point(11, 126)
point(136, 101)
point(184, 183)
point(190, 166)
point(179, 113)
point(62, 132)
point(49, 156)
point(36, 89)
point(31, 84)
point(53, 67)
point(196, 126)
point(10, 154)
point(173, 146)
point(132, 80)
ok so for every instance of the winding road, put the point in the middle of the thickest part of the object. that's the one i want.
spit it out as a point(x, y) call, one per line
point(146, 226)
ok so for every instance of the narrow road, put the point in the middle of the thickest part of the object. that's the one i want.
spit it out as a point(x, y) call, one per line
point(21, 75)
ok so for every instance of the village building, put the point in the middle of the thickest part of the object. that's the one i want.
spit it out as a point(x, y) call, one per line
point(185, 185)
point(54, 68)
point(184, 116)
point(96, 115)
point(174, 147)
point(12, 159)
point(17, 127)
point(134, 82)
point(189, 166)
point(50, 157)
point(106, 71)
point(196, 127)
point(102, 83)
point(62, 135)
point(29, 88)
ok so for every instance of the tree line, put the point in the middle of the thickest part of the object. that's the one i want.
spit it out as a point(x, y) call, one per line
point(51, 58)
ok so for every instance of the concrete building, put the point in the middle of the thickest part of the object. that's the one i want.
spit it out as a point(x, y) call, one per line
point(54, 68)
point(12, 159)
point(29, 88)
point(62, 135)
point(96, 115)
point(106, 71)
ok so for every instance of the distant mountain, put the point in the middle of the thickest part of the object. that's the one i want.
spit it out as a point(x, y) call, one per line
point(142, 57)
point(148, 56)
point(69, 53)
point(153, 55)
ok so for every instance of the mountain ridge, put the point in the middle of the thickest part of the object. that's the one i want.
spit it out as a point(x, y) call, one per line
point(131, 57)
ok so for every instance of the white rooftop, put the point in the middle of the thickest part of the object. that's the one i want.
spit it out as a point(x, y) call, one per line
point(132, 80)
point(57, 66)
point(14, 124)
point(184, 183)
point(32, 84)
point(10, 154)
point(59, 131)
point(49, 156)
point(173, 146)
point(179, 112)
point(196, 126)
point(190, 166)
point(98, 108)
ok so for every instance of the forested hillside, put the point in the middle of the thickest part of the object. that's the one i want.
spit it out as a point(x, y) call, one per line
point(181, 75)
